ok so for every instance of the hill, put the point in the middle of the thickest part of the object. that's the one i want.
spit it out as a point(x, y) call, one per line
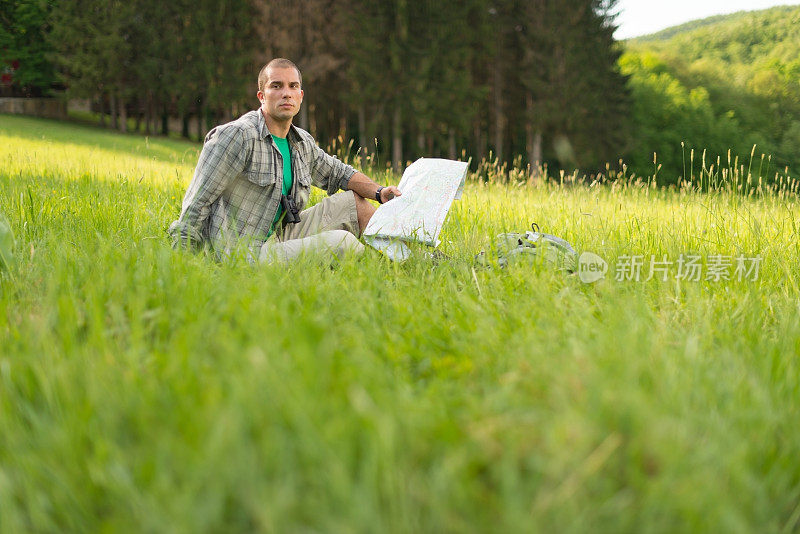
point(670, 32)
point(742, 37)
point(722, 83)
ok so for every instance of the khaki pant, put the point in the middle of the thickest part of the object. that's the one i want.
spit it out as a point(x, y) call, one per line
point(328, 227)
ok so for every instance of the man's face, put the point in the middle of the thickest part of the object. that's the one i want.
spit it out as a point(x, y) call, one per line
point(282, 95)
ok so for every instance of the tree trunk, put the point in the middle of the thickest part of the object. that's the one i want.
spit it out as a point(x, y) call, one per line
point(397, 141)
point(200, 119)
point(533, 138)
point(480, 145)
point(343, 128)
point(102, 107)
point(123, 116)
point(164, 121)
point(138, 126)
point(153, 116)
point(185, 125)
point(148, 118)
point(362, 129)
point(303, 122)
point(114, 112)
point(451, 143)
point(312, 120)
point(499, 116)
point(533, 141)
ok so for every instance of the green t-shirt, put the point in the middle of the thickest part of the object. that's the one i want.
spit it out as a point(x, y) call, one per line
point(283, 146)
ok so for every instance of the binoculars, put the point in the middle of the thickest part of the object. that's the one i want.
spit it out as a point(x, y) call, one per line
point(291, 213)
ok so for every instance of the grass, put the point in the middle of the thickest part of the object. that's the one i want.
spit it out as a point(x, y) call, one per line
point(144, 389)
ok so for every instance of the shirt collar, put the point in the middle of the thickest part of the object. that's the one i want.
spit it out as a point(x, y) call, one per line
point(263, 131)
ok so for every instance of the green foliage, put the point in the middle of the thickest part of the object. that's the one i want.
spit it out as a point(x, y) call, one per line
point(144, 388)
point(726, 83)
point(186, 55)
point(791, 138)
point(23, 29)
point(671, 120)
point(93, 45)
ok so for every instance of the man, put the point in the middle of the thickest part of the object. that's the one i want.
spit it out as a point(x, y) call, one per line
point(253, 179)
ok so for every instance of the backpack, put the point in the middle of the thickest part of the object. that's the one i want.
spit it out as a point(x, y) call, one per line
point(533, 244)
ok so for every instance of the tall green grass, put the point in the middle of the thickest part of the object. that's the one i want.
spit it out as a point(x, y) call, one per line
point(144, 389)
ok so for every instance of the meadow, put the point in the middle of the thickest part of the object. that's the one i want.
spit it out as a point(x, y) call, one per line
point(144, 389)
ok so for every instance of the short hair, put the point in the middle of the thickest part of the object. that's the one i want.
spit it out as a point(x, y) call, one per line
point(278, 62)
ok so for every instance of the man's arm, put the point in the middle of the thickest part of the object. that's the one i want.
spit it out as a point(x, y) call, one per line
point(363, 186)
point(222, 159)
point(331, 174)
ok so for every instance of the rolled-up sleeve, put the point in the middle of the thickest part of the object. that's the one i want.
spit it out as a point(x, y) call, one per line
point(222, 159)
point(328, 172)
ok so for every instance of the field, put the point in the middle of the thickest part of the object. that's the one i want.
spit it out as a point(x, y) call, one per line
point(149, 390)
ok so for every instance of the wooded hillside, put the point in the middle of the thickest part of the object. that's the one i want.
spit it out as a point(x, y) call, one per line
point(728, 82)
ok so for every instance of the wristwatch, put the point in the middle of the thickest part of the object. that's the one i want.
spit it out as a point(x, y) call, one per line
point(378, 195)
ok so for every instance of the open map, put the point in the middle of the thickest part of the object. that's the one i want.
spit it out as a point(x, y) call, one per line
point(429, 187)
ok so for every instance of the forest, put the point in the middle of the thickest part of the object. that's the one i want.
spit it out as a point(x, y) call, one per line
point(535, 85)
point(729, 85)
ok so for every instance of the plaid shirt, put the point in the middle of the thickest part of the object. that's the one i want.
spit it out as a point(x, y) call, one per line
point(236, 188)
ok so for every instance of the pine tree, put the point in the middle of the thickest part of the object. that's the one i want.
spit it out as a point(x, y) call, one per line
point(92, 42)
point(574, 91)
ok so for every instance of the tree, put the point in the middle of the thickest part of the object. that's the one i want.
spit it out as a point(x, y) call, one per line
point(574, 89)
point(92, 43)
point(377, 68)
point(311, 35)
point(223, 43)
point(24, 51)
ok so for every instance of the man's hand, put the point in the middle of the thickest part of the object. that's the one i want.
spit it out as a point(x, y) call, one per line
point(389, 192)
point(364, 188)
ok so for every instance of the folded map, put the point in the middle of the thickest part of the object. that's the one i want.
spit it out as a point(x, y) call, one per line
point(429, 186)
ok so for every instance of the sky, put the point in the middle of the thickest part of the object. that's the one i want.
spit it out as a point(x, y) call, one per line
point(641, 17)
